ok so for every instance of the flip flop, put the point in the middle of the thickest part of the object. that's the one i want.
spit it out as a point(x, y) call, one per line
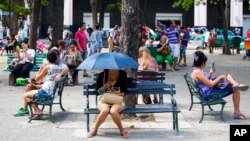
point(241, 87)
point(124, 134)
point(239, 116)
point(37, 117)
point(91, 134)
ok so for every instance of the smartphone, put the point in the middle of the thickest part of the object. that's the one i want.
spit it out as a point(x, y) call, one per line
point(213, 65)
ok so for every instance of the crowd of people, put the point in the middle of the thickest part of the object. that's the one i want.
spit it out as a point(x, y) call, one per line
point(70, 52)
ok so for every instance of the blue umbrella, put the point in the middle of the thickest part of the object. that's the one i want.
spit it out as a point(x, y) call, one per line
point(100, 61)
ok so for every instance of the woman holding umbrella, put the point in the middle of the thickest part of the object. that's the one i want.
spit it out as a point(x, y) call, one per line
point(111, 78)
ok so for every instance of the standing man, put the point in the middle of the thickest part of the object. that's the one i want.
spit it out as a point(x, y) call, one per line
point(81, 39)
point(173, 39)
point(184, 42)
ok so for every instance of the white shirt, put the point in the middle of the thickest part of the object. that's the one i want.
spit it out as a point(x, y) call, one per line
point(49, 82)
point(112, 33)
point(31, 52)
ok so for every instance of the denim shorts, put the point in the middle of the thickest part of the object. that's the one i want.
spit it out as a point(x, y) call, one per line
point(41, 94)
point(183, 50)
point(228, 90)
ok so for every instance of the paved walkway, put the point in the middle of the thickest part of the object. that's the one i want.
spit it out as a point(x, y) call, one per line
point(71, 125)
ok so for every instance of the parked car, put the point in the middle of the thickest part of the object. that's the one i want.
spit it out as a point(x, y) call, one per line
point(230, 36)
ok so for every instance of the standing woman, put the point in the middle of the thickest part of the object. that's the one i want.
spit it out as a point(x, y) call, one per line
point(22, 69)
point(97, 46)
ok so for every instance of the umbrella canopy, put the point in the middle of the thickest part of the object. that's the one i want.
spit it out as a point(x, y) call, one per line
point(100, 61)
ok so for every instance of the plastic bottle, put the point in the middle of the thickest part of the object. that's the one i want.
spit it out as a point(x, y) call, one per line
point(22, 81)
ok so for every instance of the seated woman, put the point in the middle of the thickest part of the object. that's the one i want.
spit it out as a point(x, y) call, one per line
point(50, 72)
point(22, 69)
point(164, 50)
point(209, 85)
point(107, 79)
point(147, 62)
point(73, 59)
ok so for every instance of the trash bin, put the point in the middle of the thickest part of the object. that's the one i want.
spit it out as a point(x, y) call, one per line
point(247, 44)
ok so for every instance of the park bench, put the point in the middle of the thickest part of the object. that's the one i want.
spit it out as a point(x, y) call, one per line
point(145, 88)
point(38, 61)
point(153, 52)
point(211, 99)
point(57, 91)
point(152, 76)
point(146, 75)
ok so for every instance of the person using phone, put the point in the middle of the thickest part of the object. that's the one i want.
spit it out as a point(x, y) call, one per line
point(208, 85)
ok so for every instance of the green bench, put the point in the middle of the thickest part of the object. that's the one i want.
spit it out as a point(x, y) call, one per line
point(38, 60)
point(211, 99)
point(153, 51)
point(58, 89)
point(144, 88)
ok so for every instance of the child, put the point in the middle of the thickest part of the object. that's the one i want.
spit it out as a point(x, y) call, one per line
point(15, 60)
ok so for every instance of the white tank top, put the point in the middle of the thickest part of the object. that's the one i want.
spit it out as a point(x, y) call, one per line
point(49, 82)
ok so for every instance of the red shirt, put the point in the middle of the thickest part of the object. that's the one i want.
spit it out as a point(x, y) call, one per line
point(81, 37)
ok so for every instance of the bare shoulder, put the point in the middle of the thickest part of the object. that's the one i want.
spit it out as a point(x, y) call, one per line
point(196, 73)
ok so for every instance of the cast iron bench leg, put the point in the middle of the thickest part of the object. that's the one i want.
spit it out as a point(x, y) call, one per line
point(87, 115)
point(60, 102)
point(177, 124)
point(221, 112)
point(202, 113)
point(31, 113)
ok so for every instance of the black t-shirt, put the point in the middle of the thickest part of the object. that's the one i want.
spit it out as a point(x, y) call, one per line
point(121, 80)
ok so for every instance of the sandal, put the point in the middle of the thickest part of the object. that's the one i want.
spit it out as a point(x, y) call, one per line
point(239, 116)
point(91, 134)
point(37, 117)
point(124, 134)
point(241, 87)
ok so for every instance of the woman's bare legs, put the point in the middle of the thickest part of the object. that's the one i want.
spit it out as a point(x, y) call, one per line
point(115, 114)
point(236, 98)
point(231, 80)
point(27, 96)
point(104, 111)
point(236, 101)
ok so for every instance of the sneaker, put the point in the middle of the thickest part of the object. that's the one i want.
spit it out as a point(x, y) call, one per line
point(21, 112)
point(183, 65)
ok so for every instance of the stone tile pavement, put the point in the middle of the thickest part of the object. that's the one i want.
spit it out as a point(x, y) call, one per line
point(71, 125)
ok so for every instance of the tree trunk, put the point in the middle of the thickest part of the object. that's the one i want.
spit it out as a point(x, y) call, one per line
point(130, 36)
point(11, 21)
point(57, 24)
point(93, 4)
point(225, 18)
point(103, 4)
point(143, 16)
point(34, 23)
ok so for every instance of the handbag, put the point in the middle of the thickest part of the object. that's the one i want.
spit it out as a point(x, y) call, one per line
point(112, 97)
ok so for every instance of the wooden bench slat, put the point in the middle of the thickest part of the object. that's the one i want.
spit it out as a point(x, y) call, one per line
point(137, 110)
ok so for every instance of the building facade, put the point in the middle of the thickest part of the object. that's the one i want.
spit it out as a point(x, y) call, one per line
point(151, 12)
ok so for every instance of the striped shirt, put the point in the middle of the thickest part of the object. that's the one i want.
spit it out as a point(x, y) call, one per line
point(172, 34)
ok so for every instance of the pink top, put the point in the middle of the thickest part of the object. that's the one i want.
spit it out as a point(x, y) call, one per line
point(81, 37)
point(153, 66)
